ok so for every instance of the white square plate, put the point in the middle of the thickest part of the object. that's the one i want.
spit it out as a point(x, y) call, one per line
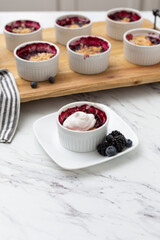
point(46, 132)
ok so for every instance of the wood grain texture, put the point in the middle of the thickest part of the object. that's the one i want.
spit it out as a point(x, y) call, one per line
point(120, 73)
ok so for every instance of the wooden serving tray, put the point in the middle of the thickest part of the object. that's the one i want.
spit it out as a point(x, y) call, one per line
point(120, 73)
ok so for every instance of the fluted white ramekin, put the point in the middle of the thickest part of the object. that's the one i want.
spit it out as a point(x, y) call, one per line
point(15, 39)
point(92, 64)
point(81, 141)
point(37, 70)
point(142, 55)
point(116, 29)
point(64, 34)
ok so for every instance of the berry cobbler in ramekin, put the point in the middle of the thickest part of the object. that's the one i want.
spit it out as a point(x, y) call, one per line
point(73, 22)
point(142, 46)
point(69, 26)
point(39, 51)
point(37, 61)
point(89, 45)
point(88, 54)
point(120, 20)
point(82, 125)
point(22, 26)
point(124, 16)
point(143, 40)
point(21, 31)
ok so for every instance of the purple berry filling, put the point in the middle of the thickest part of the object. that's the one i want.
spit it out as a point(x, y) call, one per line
point(100, 116)
point(32, 49)
point(73, 20)
point(89, 41)
point(153, 40)
point(27, 23)
point(118, 16)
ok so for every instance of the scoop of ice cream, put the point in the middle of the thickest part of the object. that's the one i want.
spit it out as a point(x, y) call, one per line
point(80, 121)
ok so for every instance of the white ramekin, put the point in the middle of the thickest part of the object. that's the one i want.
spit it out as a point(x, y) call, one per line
point(141, 55)
point(92, 64)
point(15, 39)
point(63, 34)
point(81, 141)
point(37, 70)
point(116, 29)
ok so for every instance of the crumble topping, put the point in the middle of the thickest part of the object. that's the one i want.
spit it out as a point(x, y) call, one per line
point(141, 40)
point(22, 30)
point(41, 56)
point(75, 25)
point(144, 40)
point(89, 50)
point(126, 19)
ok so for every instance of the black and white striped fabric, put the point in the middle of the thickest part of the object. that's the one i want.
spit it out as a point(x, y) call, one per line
point(9, 106)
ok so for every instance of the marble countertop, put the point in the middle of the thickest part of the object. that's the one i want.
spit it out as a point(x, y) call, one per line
point(117, 200)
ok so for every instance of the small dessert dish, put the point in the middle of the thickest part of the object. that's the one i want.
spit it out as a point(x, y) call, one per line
point(120, 20)
point(82, 126)
point(70, 26)
point(142, 46)
point(88, 54)
point(21, 31)
point(37, 61)
point(46, 132)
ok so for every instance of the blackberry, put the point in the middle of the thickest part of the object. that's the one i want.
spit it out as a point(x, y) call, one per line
point(119, 143)
point(110, 139)
point(101, 148)
point(116, 133)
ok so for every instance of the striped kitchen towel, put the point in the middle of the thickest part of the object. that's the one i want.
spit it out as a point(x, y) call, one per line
point(9, 106)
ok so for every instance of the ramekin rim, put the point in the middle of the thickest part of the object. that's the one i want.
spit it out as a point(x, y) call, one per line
point(21, 34)
point(73, 29)
point(30, 42)
point(94, 55)
point(140, 29)
point(77, 131)
point(125, 8)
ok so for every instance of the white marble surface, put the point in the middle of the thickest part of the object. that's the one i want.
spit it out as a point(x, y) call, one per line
point(117, 200)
